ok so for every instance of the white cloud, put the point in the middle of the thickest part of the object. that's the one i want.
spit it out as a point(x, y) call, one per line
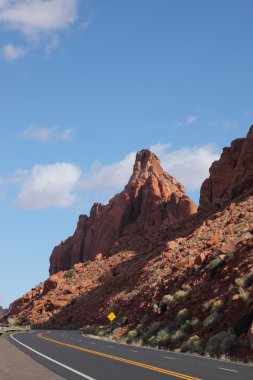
point(57, 185)
point(35, 17)
point(13, 52)
point(45, 135)
point(110, 177)
point(48, 186)
point(189, 165)
point(191, 119)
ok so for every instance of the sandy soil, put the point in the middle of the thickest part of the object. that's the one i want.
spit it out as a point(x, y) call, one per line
point(15, 365)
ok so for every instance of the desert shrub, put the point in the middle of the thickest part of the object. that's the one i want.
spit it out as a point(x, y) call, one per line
point(163, 337)
point(104, 330)
point(212, 321)
point(116, 331)
point(217, 306)
point(240, 281)
point(193, 344)
point(221, 343)
point(205, 305)
point(69, 273)
point(91, 329)
point(183, 315)
point(243, 294)
point(190, 325)
point(132, 334)
point(214, 265)
point(179, 294)
point(178, 336)
point(194, 269)
point(167, 299)
point(140, 328)
point(152, 330)
point(248, 280)
point(155, 307)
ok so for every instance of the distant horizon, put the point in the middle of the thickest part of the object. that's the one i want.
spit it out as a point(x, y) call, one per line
point(91, 83)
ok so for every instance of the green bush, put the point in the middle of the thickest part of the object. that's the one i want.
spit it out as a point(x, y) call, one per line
point(93, 329)
point(179, 294)
point(69, 273)
point(163, 337)
point(193, 344)
point(132, 334)
point(167, 299)
point(217, 306)
point(221, 343)
point(214, 265)
point(178, 336)
point(212, 321)
point(183, 315)
point(152, 330)
point(155, 307)
point(243, 294)
point(190, 325)
point(205, 305)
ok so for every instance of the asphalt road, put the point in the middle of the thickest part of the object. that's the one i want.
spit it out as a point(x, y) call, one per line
point(76, 357)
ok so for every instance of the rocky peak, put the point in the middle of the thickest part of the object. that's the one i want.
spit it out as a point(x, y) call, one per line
point(151, 197)
point(231, 175)
point(146, 163)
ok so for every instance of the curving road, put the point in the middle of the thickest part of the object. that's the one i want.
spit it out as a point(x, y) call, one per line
point(75, 357)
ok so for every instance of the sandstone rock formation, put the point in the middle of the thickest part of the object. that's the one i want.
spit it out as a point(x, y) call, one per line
point(231, 175)
point(152, 260)
point(150, 198)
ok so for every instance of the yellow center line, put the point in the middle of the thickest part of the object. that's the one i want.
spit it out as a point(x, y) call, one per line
point(138, 364)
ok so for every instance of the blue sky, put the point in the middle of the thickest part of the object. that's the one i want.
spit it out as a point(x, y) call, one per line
point(85, 84)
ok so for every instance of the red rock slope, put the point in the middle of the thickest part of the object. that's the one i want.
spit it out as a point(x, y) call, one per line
point(231, 174)
point(151, 198)
point(186, 285)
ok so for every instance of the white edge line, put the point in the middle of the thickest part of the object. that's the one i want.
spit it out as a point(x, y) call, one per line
point(227, 369)
point(52, 360)
point(168, 357)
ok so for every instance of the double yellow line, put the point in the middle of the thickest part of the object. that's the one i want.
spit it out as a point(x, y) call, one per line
point(137, 364)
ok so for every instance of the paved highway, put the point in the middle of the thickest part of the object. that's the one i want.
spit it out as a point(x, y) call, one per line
point(75, 357)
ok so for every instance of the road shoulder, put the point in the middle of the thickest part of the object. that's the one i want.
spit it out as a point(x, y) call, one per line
point(17, 365)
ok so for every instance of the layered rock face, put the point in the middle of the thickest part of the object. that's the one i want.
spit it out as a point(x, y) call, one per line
point(231, 175)
point(151, 197)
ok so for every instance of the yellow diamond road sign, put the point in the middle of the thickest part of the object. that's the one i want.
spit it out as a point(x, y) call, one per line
point(111, 316)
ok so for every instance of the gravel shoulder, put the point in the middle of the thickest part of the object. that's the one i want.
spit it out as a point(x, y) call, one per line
point(15, 365)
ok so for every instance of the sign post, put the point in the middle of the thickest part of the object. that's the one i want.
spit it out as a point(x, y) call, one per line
point(111, 317)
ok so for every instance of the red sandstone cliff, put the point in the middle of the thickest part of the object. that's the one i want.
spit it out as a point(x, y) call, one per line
point(231, 174)
point(151, 197)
